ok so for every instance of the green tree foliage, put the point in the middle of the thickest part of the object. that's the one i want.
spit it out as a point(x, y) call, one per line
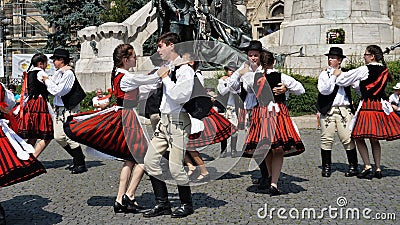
point(120, 10)
point(67, 17)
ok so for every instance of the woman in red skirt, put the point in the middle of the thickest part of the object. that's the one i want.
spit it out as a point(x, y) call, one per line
point(210, 130)
point(216, 127)
point(16, 162)
point(117, 131)
point(272, 132)
point(374, 118)
point(36, 121)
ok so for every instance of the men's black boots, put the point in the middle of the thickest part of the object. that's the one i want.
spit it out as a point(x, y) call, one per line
point(163, 206)
point(186, 207)
point(79, 161)
point(326, 163)
point(353, 163)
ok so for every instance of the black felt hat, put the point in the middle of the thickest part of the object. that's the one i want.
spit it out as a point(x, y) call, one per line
point(336, 51)
point(254, 45)
point(60, 53)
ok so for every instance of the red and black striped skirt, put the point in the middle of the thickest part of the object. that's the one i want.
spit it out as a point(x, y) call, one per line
point(14, 170)
point(36, 122)
point(286, 135)
point(216, 129)
point(373, 122)
point(260, 132)
point(116, 133)
point(272, 130)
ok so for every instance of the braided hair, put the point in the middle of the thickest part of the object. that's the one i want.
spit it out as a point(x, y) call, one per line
point(378, 54)
point(120, 52)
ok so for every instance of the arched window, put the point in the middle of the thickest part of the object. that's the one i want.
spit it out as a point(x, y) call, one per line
point(277, 9)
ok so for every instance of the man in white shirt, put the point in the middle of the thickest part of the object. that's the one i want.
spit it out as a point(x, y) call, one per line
point(230, 101)
point(394, 99)
point(171, 132)
point(100, 102)
point(67, 96)
point(335, 105)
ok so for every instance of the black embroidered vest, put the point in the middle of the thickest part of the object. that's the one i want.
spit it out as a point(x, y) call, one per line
point(35, 87)
point(75, 96)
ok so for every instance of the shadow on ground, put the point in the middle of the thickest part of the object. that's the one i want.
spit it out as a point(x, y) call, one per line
point(28, 209)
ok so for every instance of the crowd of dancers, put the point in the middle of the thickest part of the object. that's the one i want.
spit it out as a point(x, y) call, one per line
point(253, 90)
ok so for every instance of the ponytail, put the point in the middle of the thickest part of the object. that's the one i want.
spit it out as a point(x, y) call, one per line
point(114, 70)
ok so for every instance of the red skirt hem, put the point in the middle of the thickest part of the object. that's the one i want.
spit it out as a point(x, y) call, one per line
point(118, 134)
point(273, 130)
point(373, 122)
point(37, 122)
point(216, 129)
point(14, 170)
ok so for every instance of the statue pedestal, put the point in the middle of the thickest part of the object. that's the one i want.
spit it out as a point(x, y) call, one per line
point(307, 23)
point(98, 43)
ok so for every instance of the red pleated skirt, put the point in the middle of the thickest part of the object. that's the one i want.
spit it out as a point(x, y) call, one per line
point(373, 122)
point(116, 133)
point(287, 135)
point(14, 170)
point(257, 137)
point(272, 130)
point(36, 122)
point(216, 129)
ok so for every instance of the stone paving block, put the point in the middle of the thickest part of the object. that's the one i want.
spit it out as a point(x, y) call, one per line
point(59, 197)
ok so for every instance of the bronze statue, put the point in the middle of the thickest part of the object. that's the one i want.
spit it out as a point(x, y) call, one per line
point(224, 15)
point(178, 16)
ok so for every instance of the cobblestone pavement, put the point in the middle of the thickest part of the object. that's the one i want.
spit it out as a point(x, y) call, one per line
point(59, 197)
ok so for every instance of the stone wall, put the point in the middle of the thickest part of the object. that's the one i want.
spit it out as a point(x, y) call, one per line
point(308, 21)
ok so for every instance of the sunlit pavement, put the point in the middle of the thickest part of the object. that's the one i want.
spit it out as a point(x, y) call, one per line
point(59, 197)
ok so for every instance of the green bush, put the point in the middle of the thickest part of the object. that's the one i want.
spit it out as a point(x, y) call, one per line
point(305, 103)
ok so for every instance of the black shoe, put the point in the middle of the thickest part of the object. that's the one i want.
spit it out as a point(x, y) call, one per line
point(131, 205)
point(118, 208)
point(2, 216)
point(326, 171)
point(79, 169)
point(183, 211)
point(158, 210)
point(378, 174)
point(70, 167)
point(273, 191)
point(353, 171)
point(365, 174)
point(265, 183)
